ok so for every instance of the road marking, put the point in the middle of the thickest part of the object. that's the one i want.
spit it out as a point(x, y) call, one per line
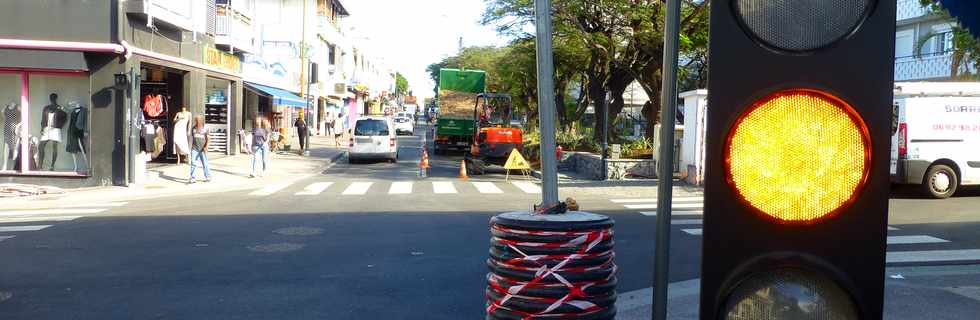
point(6, 237)
point(49, 212)
point(443, 187)
point(685, 221)
point(694, 232)
point(38, 219)
point(932, 256)
point(95, 205)
point(890, 228)
point(23, 228)
point(487, 187)
point(654, 200)
point(527, 187)
point(400, 187)
point(315, 189)
point(654, 205)
point(914, 239)
point(674, 213)
point(269, 190)
point(357, 188)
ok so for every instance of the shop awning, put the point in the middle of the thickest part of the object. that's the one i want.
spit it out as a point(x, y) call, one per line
point(279, 96)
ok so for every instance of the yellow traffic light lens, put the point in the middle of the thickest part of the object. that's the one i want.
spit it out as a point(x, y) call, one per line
point(798, 155)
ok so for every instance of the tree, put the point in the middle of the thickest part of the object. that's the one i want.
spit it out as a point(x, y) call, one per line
point(966, 47)
point(401, 84)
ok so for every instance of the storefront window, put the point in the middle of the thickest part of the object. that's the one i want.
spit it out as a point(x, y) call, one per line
point(10, 121)
point(47, 133)
point(58, 120)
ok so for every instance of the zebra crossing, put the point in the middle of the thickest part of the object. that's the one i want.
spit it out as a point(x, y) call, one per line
point(17, 222)
point(361, 188)
point(687, 212)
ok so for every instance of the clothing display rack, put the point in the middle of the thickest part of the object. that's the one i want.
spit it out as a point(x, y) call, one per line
point(216, 116)
point(163, 119)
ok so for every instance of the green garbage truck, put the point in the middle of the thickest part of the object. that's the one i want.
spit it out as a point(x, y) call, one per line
point(457, 92)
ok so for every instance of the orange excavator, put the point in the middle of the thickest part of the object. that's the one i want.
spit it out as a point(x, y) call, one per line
point(494, 136)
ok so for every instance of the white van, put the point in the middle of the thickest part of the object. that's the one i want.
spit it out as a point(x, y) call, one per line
point(936, 136)
point(373, 138)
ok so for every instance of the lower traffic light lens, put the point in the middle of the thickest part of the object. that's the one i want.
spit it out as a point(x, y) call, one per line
point(798, 155)
point(789, 294)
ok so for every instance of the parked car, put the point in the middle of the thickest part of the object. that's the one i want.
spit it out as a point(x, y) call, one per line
point(373, 138)
point(404, 125)
point(408, 115)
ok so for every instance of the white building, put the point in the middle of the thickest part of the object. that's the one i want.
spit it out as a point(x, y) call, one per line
point(933, 62)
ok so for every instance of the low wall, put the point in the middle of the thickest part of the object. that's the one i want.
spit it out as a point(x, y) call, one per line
point(590, 166)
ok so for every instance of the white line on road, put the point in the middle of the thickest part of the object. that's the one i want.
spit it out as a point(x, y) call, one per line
point(890, 228)
point(269, 190)
point(23, 228)
point(38, 219)
point(95, 205)
point(685, 221)
point(400, 187)
point(48, 212)
point(674, 213)
point(6, 237)
point(694, 232)
point(914, 239)
point(527, 187)
point(654, 205)
point(487, 187)
point(932, 256)
point(654, 200)
point(443, 187)
point(315, 189)
point(357, 188)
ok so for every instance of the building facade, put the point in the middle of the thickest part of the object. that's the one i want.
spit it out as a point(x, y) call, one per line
point(924, 45)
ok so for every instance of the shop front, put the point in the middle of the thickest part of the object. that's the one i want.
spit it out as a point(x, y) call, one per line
point(49, 132)
point(284, 108)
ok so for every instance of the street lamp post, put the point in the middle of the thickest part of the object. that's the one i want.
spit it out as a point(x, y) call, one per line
point(546, 103)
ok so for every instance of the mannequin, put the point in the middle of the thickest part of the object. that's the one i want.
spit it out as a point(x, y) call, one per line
point(182, 124)
point(10, 118)
point(77, 127)
point(53, 118)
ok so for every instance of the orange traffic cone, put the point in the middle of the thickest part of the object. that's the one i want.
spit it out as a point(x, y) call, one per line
point(462, 170)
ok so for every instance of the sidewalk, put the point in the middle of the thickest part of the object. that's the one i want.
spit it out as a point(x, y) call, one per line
point(911, 293)
point(229, 173)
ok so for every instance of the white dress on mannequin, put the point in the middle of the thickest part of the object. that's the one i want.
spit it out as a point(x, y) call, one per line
point(181, 142)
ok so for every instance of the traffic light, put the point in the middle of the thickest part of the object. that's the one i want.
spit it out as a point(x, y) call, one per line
point(796, 189)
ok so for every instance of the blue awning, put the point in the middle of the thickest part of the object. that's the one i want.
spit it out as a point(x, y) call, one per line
point(279, 96)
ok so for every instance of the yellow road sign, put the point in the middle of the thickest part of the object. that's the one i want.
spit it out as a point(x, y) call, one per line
point(516, 162)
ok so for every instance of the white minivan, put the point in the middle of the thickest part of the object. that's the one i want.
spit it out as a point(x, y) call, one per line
point(936, 136)
point(373, 138)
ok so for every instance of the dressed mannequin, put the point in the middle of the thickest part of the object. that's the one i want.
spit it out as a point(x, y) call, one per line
point(10, 116)
point(77, 127)
point(182, 125)
point(53, 118)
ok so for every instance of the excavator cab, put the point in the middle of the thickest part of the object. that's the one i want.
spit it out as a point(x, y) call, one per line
point(494, 135)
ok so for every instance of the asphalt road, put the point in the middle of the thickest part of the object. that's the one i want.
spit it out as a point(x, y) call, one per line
point(358, 241)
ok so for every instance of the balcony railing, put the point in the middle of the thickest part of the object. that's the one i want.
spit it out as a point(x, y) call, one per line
point(935, 66)
point(910, 9)
point(234, 29)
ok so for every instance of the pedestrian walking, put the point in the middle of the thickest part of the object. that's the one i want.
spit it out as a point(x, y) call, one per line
point(338, 131)
point(302, 131)
point(199, 149)
point(260, 145)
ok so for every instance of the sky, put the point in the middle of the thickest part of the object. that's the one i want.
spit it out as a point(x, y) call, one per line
point(411, 34)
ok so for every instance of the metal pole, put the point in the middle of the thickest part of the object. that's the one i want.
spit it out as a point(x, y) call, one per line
point(665, 174)
point(605, 135)
point(134, 127)
point(546, 102)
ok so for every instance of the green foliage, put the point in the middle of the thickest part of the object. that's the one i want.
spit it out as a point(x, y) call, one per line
point(401, 84)
point(966, 47)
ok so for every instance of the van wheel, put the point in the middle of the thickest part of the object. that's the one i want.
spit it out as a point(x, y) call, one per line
point(941, 181)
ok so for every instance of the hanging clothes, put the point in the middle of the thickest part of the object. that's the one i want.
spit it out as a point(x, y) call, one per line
point(154, 105)
point(181, 128)
point(76, 129)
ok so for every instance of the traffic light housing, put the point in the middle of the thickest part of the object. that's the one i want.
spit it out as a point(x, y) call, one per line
point(796, 188)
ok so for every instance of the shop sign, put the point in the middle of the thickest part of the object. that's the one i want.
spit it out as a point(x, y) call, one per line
point(340, 88)
point(222, 60)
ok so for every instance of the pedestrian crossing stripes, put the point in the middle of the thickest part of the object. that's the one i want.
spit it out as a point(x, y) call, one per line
point(314, 189)
point(357, 188)
point(23, 228)
point(674, 213)
point(894, 257)
point(38, 219)
point(15, 213)
point(268, 190)
point(674, 205)
point(653, 200)
point(96, 205)
point(5, 238)
point(400, 187)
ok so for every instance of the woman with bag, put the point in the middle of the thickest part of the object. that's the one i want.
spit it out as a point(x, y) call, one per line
point(260, 144)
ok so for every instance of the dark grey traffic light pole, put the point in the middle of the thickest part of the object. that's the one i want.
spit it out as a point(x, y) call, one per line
point(546, 103)
point(665, 173)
